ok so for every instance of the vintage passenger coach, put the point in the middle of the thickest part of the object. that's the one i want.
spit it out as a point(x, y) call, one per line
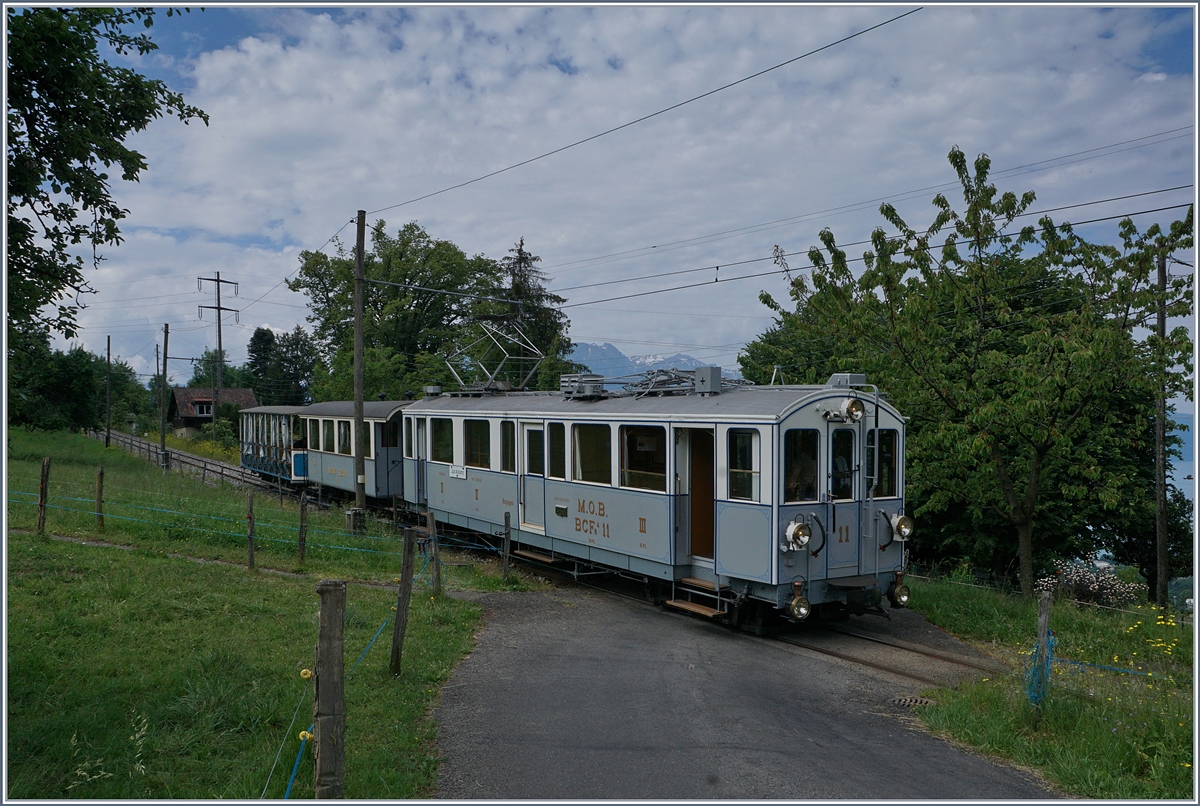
point(734, 498)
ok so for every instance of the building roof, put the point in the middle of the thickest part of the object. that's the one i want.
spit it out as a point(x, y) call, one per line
point(185, 398)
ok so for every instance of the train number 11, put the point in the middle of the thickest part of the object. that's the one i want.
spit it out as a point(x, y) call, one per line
point(843, 534)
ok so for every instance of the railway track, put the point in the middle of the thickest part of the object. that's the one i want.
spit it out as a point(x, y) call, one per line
point(843, 646)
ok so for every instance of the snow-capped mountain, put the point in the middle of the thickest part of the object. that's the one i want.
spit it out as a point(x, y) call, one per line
point(605, 359)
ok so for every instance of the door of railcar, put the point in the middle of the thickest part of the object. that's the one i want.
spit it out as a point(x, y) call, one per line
point(421, 455)
point(843, 501)
point(695, 481)
point(533, 476)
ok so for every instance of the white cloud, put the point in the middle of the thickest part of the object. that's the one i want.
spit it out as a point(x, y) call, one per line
point(316, 115)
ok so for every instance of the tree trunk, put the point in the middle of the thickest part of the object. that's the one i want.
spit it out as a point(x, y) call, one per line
point(1025, 552)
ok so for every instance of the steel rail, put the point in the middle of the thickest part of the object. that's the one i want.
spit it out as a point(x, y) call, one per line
point(995, 669)
point(852, 659)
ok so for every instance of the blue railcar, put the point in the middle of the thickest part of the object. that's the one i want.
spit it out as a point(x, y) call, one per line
point(272, 443)
point(735, 498)
point(329, 434)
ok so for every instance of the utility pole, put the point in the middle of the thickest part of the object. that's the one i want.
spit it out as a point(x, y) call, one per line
point(108, 395)
point(220, 351)
point(1160, 442)
point(360, 464)
point(162, 409)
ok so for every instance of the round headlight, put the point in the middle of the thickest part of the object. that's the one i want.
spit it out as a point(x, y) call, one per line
point(799, 608)
point(900, 596)
point(798, 534)
point(853, 409)
point(903, 526)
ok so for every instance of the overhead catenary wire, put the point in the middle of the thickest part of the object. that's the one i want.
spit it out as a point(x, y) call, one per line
point(803, 268)
point(646, 117)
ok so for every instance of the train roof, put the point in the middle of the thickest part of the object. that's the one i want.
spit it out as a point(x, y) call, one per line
point(274, 410)
point(739, 402)
point(372, 409)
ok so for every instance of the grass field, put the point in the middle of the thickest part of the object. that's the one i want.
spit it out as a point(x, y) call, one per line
point(136, 672)
point(140, 673)
point(1099, 733)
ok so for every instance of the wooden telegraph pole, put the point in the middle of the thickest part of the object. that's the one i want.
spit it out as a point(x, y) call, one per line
point(162, 410)
point(108, 395)
point(1160, 443)
point(360, 464)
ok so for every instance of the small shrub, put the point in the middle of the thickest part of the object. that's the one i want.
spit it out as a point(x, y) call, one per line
point(1083, 584)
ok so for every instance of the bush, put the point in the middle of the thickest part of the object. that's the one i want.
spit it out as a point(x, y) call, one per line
point(1088, 584)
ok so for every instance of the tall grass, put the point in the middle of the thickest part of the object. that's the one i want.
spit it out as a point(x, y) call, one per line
point(174, 513)
point(138, 673)
point(1100, 733)
point(133, 675)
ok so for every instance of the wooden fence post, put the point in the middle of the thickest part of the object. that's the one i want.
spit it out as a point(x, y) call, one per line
point(100, 498)
point(1043, 641)
point(507, 542)
point(435, 555)
point(329, 685)
point(250, 528)
point(43, 495)
point(303, 522)
point(403, 597)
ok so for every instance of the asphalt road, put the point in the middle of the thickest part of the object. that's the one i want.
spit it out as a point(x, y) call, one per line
point(581, 695)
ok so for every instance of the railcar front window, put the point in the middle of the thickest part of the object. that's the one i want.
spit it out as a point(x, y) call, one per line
point(408, 437)
point(367, 441)
point(644, 457)
point(443, 440)
point(558, 451)
point(508, 446)
point(842, 474)
point(800, 464)
point(327, 426)
point(593, 453)
point(477, 435)
point(885, 485)
point(743, 480)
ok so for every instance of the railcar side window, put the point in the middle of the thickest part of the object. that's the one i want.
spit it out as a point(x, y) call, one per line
point(477, 435)
point(593, 453)
point(535, 457)
point(343, 435)
point(644, 457)
point(743, 480)
point(327, 426)
point(367, 441)
point(443, 440)
point(314, 435)
point(885, 485)
point(800, 464)
point(508, 446)
point(408, 437)
point(842, 481)
point(558, 451)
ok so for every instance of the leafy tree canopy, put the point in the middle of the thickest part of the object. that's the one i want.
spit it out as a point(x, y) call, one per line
point(1010, 348)
point(69, 114)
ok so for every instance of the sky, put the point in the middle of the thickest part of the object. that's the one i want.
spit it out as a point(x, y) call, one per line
point(316, 112)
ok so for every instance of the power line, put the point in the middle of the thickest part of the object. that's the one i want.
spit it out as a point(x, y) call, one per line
point(806, 268)
point(671, 245)
point(645, 117)
point(852, 243)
